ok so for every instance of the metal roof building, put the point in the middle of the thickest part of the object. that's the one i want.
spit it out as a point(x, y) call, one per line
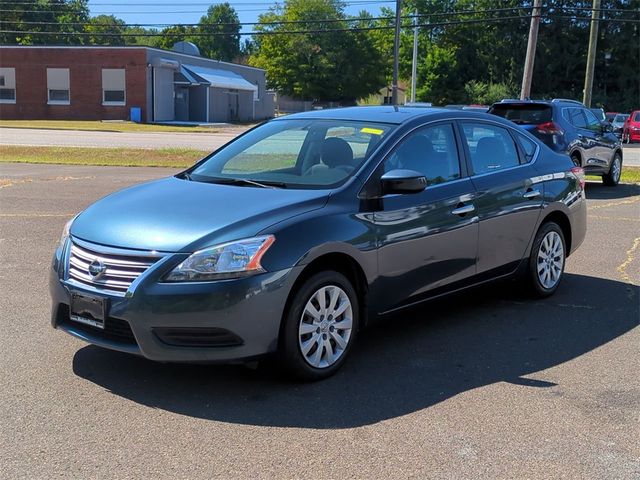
point(107, 83)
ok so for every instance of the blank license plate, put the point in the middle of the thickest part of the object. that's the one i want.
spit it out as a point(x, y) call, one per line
point(88, 310)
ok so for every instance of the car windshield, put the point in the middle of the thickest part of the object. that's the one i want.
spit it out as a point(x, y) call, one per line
point(620, 118)
point(295, 153)
point(636, 117)
point(523, 114)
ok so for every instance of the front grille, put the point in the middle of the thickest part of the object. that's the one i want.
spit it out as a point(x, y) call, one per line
point(115, 330)
point(121, 270)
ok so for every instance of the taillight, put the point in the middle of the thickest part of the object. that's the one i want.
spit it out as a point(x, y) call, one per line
point(579, 174)
point(550, 128)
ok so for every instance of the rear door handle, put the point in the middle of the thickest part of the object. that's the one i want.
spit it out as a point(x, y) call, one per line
point(532, 194)
point(463, 210)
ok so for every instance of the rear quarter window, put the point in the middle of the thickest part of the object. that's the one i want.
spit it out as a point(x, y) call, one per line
point(528, 147)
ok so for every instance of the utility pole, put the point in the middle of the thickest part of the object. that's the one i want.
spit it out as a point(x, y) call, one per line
point(414, 63)
point(591, 55)
point(396, 54)
point(525, 92)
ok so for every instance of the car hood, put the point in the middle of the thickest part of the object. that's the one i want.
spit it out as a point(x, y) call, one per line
point(174, 215)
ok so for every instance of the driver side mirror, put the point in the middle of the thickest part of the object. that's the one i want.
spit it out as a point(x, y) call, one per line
point(403, 181)
point(606, 127)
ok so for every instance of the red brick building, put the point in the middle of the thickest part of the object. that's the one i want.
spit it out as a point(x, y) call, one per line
point(105, 83)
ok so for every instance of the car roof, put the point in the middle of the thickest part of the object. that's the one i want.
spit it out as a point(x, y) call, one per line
point(385, 114)
point(555, 101)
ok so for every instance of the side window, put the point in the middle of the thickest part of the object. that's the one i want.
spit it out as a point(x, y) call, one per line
point(491, 147)
point(528, 147)
point(592, 121)
point(431, 151)
point(576, 118)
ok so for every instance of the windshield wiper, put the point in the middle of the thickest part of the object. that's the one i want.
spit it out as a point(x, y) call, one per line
point(246, 181)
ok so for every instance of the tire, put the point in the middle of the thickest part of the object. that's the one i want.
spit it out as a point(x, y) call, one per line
point(613, 177)
point(315, 348)
point(575, 158)
point(549, 238)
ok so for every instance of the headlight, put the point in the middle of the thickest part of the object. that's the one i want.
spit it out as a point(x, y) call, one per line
point(228, 260)
point(65, 231)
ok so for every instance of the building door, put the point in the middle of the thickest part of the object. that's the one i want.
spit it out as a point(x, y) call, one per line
point(234, 106)
point(182, 104)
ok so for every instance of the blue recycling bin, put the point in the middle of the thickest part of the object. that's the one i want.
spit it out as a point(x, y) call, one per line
point(136, 114)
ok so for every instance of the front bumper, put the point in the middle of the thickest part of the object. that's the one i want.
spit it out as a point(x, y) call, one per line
point(250, 309)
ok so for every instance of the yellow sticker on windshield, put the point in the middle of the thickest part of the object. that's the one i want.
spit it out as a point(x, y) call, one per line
point(372, 131)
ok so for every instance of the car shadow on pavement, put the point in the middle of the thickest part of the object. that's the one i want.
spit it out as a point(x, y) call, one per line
point(408, 363)
point(598, 191)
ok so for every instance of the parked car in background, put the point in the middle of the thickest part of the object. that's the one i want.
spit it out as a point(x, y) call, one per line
point(610, 116)
point(303, 230)
point(618, 123)
point(476, 108)
point(631, 128)
point(567, 126)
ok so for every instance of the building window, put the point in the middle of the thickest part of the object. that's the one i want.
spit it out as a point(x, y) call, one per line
point(58, 86)
point(7, 85)
point(113, 86)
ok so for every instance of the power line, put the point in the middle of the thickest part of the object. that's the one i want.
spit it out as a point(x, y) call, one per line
point(306, 32)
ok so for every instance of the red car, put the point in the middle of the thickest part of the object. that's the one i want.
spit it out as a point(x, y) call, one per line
point(631, 128)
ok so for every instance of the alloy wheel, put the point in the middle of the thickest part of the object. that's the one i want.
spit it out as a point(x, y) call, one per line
point(617, 169)
point(550, 260)
point(325, 326)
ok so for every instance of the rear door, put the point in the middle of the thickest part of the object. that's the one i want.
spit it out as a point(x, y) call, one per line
point(507, 202)
point(605, 142)
point(429, 239)
point(586, 138)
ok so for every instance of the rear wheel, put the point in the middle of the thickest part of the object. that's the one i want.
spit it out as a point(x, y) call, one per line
point(320, 326)
point(613, 177)
point(547, 259)
point(575, 158)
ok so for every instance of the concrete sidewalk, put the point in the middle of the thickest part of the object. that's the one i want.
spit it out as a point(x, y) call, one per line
point(73, 138)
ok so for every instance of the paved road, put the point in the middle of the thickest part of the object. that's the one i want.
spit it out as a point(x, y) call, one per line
point(200, 141)
point(70, 138)
point(486, 385)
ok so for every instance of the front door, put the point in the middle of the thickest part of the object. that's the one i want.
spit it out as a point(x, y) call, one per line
point(508, 202)
point(182, 104)
point(426, 240)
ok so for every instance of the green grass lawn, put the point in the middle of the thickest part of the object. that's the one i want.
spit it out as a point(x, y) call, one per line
point(629, 175)
point(123, 157)
point(102, 126)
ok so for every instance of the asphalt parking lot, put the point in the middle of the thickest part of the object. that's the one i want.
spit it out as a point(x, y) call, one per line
point(485, 385)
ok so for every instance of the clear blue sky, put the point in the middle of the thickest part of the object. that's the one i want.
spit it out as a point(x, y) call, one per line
point(190, 11)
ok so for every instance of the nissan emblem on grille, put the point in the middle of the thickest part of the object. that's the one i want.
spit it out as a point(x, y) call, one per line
point(105, 270)
point(97, 269)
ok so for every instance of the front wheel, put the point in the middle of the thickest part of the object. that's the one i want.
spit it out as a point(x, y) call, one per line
point(547, 259)
point(320, 326)
point(613, 177)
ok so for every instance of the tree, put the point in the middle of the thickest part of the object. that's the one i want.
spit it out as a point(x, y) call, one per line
point(58, 20)
point(171, 35)
point(220, 18)
point(331, 61)
point(106, 30)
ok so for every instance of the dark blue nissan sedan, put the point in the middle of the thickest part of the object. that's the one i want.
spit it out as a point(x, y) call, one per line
point(297, 234)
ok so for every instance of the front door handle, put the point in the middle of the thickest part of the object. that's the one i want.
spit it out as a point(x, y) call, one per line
point(463, 210)
point(532, 194)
